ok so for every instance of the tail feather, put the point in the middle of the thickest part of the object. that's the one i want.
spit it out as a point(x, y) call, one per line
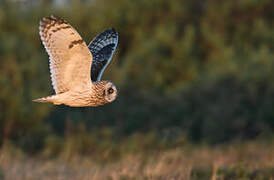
point(43, 99)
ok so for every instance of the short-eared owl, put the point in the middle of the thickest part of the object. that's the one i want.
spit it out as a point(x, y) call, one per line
point(76, 68)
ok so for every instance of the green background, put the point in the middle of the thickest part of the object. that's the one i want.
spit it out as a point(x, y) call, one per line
point(186, 71)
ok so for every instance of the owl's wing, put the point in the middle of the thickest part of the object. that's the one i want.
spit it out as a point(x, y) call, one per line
point(102, 48)
point(70, 58)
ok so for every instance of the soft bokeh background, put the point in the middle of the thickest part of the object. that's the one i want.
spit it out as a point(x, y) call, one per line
point(196, 92)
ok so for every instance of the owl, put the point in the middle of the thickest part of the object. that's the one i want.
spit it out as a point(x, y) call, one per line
point(76, 69)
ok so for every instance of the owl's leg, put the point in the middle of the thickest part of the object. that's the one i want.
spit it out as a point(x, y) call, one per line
point(57, 103)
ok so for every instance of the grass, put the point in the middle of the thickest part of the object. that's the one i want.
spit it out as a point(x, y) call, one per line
point(250, 160)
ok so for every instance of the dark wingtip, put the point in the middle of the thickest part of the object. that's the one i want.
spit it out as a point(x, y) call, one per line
point(112, 30)
point(53, 18)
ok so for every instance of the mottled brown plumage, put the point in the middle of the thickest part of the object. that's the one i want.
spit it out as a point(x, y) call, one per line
point(71, 61)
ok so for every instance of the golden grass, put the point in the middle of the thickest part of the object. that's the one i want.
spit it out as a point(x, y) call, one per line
point(251, 160)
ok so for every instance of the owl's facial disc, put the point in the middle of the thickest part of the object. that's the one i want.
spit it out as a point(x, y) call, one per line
point(110, 92)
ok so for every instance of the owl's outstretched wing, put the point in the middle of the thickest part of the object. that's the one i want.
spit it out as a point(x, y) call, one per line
point(70, 58)
point(102, 48)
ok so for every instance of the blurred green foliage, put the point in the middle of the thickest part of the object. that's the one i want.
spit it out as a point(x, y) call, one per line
point(201, 70)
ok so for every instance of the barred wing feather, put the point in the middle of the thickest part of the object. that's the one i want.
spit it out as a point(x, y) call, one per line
point(70, 58)
point(102, 48)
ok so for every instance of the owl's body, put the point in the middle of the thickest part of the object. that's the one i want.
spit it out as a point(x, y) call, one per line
point(76, 68)
point(85, 96)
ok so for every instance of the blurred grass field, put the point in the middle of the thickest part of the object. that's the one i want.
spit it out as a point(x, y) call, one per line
point(250, 160)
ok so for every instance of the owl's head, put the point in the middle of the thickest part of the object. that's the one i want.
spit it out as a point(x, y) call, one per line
point(110, 92)
point(105, 92)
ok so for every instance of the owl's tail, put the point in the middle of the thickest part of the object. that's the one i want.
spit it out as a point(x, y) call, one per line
point(43, 99)
point(46, 99)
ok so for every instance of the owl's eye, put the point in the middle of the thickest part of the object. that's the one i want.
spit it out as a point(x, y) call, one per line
point(110, 90)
